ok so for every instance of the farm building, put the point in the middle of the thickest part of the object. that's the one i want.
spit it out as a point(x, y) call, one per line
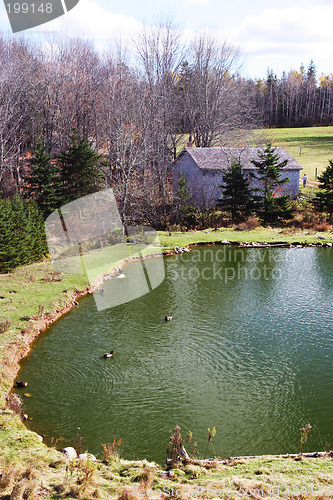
point(203, 169)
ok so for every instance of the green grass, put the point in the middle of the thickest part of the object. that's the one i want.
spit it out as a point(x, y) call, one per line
point(26, 288)
point(260, 235)
point(312, 147)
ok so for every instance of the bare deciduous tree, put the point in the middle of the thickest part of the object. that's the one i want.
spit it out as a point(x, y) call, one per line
point(210, 106)
point(17, 105)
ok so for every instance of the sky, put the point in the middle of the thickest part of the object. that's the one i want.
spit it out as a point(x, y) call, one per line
point(277, 35)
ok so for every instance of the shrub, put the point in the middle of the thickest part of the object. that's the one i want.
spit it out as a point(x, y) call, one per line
point(176, 449)
point(4, 325)
point(323, 226)
point(305, 218)
point(111, 451)
point(252, 223)
point(14, 403)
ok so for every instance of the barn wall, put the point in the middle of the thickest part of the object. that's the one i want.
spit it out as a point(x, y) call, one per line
point(187, 167)
point(212, 179)
point(291, 188)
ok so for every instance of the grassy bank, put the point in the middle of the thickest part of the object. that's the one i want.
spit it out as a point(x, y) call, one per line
point(35, 295)
point(233, 235)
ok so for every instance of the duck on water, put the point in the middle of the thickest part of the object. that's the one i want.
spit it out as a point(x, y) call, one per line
point(109, 354)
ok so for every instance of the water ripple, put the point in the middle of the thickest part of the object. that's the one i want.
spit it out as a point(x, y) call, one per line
point(253, 357)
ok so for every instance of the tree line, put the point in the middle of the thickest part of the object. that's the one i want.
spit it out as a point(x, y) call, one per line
point(138, 107)
point(296, 99)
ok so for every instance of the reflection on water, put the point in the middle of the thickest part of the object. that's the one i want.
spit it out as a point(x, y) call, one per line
point(249, 349)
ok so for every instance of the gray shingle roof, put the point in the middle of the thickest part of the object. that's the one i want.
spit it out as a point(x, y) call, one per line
point(220, 158)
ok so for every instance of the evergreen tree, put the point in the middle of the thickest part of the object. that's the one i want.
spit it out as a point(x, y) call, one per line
point(323, 200)
point(35, 231)
point(269, 205)
point(236, 193)
point(311, 74)
point(22, 233)
point(187, 214)
point(183, 196)
point(44, 181)
point(7, 250)
point(81, 169)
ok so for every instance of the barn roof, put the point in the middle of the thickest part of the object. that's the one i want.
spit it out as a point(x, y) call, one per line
point(220, 158)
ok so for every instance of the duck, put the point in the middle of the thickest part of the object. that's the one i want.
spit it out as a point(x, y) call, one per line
point(21, 384)
point(168, 318)
point(109, 354)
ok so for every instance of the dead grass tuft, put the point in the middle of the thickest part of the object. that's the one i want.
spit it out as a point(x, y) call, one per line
point(14, 403)
point(5, 325)
point(111, 451)
point(20, 483)
point(130, 493)
point(193, 471)
point(7, 477)
point(146, 476)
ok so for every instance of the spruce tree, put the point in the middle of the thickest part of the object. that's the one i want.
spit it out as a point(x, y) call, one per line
point(270, 206)
point(22, 233)
point(187, 215)
point(81, 169)
point(7, 250)
point(323, 200)
point(236, 193)
point(35, 231)
point(44, 180)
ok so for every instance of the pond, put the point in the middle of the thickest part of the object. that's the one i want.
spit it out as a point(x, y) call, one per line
point(249, 349)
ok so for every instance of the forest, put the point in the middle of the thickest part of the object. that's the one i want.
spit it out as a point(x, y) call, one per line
point(136, 106)
point(75, 119)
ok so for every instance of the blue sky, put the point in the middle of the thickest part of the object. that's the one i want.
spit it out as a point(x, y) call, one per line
point(270, 34)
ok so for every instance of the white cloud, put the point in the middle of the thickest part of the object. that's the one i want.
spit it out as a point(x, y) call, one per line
point(90, 20)
point(196, 2)
point(281, 39)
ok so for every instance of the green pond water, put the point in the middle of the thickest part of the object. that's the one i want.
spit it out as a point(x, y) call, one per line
point(249, 349)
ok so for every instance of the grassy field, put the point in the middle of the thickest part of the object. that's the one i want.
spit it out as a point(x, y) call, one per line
point(312, 147)
point(30, 296)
